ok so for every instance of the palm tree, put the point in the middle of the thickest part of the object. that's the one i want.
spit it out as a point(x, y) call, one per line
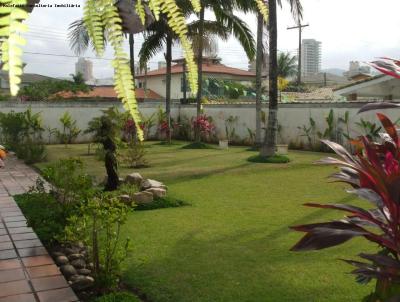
point(268, 148)
point(259, 59)
point(287, 65)
point(159, 34)
point(224, 14)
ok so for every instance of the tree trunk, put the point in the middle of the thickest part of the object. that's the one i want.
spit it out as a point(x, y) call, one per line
point(168, 58)
point(269, 146)
point(200, 74)
point(184, 83)
point(132, 54)
point(260, 27)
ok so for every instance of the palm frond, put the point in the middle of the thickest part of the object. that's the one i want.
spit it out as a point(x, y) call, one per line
point(296, 9)
point(239, 29)
point(153, 44)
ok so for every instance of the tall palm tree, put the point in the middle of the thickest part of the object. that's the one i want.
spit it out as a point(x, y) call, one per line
point(224, 13)
point(268, 148)
point(287, 65)
point(226, 24)
point(259, 59)
point(159, 36)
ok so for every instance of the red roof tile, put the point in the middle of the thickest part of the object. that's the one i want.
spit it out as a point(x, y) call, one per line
point(207, 68)
point(107, 92)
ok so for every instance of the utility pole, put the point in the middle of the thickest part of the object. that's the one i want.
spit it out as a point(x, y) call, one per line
point(300, 28)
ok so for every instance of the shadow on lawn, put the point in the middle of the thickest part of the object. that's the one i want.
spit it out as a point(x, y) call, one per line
point(240, 267)
point(309, 218)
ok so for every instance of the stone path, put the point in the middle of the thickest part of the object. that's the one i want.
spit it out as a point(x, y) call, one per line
point(27, 272)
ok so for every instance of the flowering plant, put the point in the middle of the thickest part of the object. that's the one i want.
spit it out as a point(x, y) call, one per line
point(204, 124)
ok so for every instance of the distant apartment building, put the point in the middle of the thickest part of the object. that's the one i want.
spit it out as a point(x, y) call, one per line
point(310, 57)
point(85, 67)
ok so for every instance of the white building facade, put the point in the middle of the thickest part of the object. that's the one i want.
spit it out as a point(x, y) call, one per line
point(85, 67)
point(310, 57)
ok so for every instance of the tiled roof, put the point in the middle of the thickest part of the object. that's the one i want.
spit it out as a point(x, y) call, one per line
point(107, 92)
point(207, 68)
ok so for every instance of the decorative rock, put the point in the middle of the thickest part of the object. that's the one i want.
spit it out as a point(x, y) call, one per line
point(151, 183)
point(90, 266)
point(78, 263)
point(143, 197)
point(134, 179)
point(125, 199)
point(75, 256)
point(82, 282)
point(57, 254)
point(62, 260)
point(68, 251)
point(84, 272)
point(68, 270)
point(157, 192)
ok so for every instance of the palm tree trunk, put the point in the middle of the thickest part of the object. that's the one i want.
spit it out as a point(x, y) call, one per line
point(200, 74)
point(132, 54)
point(168, 58)
point(184, 83)
point(269, 146)
point(260, 27)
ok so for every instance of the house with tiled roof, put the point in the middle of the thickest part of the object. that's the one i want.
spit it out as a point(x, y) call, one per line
point(381, 87)
point(108, 93)
point(212, 69)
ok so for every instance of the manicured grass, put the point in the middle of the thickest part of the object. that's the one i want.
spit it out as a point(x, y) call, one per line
point(277, 159)
point(232, 243)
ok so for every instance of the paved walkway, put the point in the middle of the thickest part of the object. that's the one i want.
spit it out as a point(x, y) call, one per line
point(27, 272)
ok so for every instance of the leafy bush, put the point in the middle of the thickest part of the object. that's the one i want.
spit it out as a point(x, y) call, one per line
point(43, 213)
point(98, 226)
point(22, 132)
point(374, 175)
point(69, 131)
point(118, 297)
point(134, 155)
point(69, 182)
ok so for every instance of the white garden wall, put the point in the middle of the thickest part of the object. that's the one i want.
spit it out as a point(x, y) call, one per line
point(291, 116)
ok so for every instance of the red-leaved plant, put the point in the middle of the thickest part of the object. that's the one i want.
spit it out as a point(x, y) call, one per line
point(374, 175)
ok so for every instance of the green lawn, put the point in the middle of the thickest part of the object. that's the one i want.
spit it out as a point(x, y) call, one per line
point(232, 243)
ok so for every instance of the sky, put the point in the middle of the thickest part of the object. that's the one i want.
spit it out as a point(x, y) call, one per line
point(349, 30)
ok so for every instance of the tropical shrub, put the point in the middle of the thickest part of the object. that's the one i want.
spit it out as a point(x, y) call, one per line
point(134, 155)
point(98, 225)
point(205, 125)
point(230, 129)
point(21, 132)
point(70, 131)
point(374, 175)
point(69, 183)
point(43, 213)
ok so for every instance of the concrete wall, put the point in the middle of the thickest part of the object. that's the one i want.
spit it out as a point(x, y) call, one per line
point(291, 116)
